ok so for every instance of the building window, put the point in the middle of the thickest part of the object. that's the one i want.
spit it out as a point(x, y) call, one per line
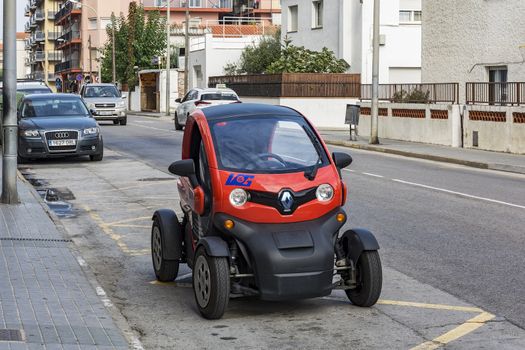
point(92, 24)
point(195, 3)
point(317, 14)
point(292, 18)
point(409, 16)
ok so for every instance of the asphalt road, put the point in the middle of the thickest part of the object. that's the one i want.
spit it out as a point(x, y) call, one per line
point(456, 228)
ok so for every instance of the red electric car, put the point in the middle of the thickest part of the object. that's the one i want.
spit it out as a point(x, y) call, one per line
point(262, 202)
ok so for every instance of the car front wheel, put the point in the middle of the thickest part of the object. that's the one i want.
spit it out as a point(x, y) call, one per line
point(177, 125)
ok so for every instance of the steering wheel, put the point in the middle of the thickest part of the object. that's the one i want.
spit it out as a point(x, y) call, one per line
point(272, 155)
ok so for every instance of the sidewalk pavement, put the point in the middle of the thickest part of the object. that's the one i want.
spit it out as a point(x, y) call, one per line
point(46, 299)
point(463, 156)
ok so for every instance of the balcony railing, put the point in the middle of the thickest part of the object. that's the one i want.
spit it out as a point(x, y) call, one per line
point(27, 28)
point(39, 15)
point(53, 35)
point(51, 15)
point(66, 10)
point(68, 36)
point(414, 93)
point(499, 94)
point(39, 36)
point(55, 56)
point(63, 66)
point(207, 4)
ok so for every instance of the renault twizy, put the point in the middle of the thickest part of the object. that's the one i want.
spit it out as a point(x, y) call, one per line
point(262, 202)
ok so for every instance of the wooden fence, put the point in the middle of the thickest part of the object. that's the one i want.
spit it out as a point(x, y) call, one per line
point(292, 84)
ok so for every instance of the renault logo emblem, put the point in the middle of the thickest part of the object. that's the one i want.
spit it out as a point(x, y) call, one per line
point(286, 200)
point(61, 135)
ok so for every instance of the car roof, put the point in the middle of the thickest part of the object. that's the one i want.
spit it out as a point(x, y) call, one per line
point(233, 110)
point(52, 95)
point(214, 90)
point(100, 84)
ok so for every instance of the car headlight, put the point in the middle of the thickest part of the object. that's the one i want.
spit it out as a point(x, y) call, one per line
point(238, 197)
point(90, 131)
point(121, 104)
point(324, 193)
point(91, 106)
point(31, 133)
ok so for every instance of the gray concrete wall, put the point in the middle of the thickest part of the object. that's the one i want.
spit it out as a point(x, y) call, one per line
point(462, 38)
point(506, 136)
point(427, 130)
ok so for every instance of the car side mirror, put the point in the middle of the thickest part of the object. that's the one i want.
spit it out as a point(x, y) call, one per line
point(178, 100)
point(92, 112)
point(341, 160)
point(186, 168)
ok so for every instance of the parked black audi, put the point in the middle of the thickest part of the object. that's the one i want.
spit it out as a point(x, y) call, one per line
point(57, 125)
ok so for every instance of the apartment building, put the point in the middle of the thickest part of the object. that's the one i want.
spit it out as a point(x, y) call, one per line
point(201, 11)
point(268, 10)
point(82, 38)
point(474, 41)
point(40, 45)
point(346, 28)
point(22, 67)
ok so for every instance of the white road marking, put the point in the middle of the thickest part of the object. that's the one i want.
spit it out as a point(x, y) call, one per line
point(459, 193)
point(349, 170)
point(103, 297)
point(153, 128)
point(136, 344)
point(374, 175)
point(81, 261)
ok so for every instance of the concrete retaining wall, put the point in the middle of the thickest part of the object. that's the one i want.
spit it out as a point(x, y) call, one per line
point(498, 128)
point(435, 123)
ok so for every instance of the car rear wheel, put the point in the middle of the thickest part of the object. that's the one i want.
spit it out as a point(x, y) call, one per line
point(211, 284)
point(369, 280)
point(177, 125)
point(165, 270)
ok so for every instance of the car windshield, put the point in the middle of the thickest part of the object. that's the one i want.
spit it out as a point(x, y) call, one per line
point(101, 91)
point(216, 96)
point(53, 107)
point(266, 144)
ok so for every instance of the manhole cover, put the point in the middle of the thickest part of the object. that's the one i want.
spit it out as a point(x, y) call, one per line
point(11, 335)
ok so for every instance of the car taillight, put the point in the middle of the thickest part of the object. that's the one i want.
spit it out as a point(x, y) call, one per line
point(198, 103)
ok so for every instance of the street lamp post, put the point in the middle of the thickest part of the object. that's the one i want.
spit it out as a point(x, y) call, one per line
point(374, 139)
point(168, 59)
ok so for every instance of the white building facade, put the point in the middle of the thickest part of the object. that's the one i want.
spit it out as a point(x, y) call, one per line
point(345, 27)
point(473, 41)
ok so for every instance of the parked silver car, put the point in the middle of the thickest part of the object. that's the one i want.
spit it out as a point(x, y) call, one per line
point(201, 98)
point(105, 102)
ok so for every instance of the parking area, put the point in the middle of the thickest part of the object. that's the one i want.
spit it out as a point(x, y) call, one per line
point(109, 218)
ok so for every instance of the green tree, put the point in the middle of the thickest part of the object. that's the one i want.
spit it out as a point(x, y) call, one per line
point(138, 39)
point(256, 59)
point(297, 59)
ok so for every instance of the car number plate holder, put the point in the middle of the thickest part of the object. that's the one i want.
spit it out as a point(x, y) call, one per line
point(60, 143)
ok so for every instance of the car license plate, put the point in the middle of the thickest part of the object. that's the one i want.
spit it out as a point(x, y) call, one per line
point(58, 143)
point(105, 113)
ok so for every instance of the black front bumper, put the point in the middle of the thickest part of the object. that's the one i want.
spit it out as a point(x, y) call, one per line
point(36, 148)
point(290, 261)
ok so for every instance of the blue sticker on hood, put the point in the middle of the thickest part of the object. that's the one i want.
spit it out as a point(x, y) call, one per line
point(240, 180)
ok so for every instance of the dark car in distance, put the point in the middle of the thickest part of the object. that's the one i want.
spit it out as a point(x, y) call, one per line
point(57, 125)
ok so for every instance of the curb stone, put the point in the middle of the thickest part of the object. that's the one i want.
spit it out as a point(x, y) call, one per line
point(479, 165)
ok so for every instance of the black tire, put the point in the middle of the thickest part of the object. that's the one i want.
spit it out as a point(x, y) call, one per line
point(21, 160)
point(211, 284)
point(116, 121)
point(98, 157)
point(177, 125)
point(124, 121)
point(165, 270)
point(369, 280)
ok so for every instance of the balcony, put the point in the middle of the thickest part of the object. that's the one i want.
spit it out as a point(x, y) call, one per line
point(199, 5)
point(38, 75)
point(53, 35)
point(68, 9)
point(70, 65)
point(69, 38)
point(32, 4)
point(39, 37)
point(27, 28)
point(55, 56)
point(51, 15)
point(39, 15)
point(32, 22)
point(27, 11)
point(51, 77)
